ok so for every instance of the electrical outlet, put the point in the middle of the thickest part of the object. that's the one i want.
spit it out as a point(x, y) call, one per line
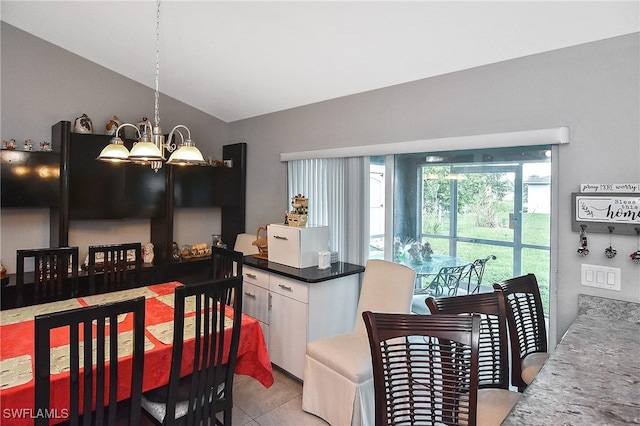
point(600, 277)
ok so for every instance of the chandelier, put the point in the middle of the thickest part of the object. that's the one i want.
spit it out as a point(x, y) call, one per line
point(150, 143)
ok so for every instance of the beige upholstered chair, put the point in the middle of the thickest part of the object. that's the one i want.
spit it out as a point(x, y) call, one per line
point(338, 373)
point(243, 244)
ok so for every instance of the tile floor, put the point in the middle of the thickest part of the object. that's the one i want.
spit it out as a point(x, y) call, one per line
point(279, 405)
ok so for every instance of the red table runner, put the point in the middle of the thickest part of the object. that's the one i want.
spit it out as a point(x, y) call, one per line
point(17, 351)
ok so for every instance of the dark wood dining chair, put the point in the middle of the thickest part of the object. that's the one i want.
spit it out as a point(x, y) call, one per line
point(226, 264)
point(55, 274)
point(114, 267)
point(527, 327)
point(425, 368)
point(476, 273)
point(495, 400)
point(208, 387)
point(100, 325)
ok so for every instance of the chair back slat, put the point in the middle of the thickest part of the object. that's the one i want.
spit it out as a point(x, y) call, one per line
point(425, 368)
point(88, 361)
point(208, 388)
point(525, 320)
point(112, 264)
point(493, 341)
point(55, 274)
point(226, 264)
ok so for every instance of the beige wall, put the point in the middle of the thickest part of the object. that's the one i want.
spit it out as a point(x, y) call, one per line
point(593, 89)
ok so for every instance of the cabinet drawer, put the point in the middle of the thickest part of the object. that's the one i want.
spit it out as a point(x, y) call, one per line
point(255, 302)
point(255, 276)
point(291, 288)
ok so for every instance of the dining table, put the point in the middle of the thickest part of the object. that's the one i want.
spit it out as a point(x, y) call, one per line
point(17, 385)
point(427, 269)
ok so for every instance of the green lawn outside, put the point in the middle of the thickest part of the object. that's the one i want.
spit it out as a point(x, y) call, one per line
point(536, 231)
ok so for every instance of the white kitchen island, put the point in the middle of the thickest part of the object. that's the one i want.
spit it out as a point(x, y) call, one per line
point(297, 305)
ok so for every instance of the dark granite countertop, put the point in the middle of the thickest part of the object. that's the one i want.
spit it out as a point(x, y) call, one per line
point(308, 275)
point(593, 376)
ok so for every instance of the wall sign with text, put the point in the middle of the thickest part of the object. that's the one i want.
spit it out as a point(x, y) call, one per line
point(611, 187)
point(598, 211)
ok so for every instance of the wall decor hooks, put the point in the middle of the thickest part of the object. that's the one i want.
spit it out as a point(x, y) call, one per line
point(635, 256)
point(582, 248)
point(610, 252)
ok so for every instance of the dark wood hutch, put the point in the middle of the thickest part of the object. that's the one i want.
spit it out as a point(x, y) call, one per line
point(87, 189)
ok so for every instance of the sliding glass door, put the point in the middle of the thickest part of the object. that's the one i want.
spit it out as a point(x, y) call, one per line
point(470, 205)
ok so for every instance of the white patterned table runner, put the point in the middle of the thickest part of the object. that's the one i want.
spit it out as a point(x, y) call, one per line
point(164, 331)
point(28, 313)
point(17, 371)
point(116, 296)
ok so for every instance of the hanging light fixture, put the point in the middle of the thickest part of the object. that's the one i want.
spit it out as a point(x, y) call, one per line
point(150, 143)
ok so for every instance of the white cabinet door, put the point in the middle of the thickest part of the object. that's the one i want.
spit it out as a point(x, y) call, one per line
point(255, 302)
point(288, 333)
point(255, 298)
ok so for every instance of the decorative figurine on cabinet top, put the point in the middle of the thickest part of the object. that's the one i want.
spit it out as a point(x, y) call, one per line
point(83, 124)
point(147, 253)
point(9, 144)
point(298, 216)
point(112, 126)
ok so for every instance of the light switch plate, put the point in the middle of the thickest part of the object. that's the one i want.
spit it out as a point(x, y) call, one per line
point(600, 277)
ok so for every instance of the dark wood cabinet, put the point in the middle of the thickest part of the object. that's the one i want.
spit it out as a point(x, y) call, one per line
point(212, 186)
point(194, 186)
point(29, 179)
point(99, 190)
point(84, 188)
point(96, 189)
point(90, 189)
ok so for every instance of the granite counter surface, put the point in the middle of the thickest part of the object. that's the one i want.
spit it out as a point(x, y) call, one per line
point(593, 377)
point(308, 275)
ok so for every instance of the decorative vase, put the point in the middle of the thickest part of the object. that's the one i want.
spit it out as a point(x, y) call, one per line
point(83, 124)
point(112, 126)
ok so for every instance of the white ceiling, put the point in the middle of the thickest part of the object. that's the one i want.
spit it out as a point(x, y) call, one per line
point(239, 59)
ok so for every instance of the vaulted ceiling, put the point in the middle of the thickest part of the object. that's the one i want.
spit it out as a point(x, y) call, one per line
point(239, 59)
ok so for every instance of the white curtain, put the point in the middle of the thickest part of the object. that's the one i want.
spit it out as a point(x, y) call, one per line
point(337, 189)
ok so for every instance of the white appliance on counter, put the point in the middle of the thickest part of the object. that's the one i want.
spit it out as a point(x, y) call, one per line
point(295, 246)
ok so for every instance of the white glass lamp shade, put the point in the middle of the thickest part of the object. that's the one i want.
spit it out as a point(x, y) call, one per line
point(186, 155)
point(115, 152)
point(145, 152)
